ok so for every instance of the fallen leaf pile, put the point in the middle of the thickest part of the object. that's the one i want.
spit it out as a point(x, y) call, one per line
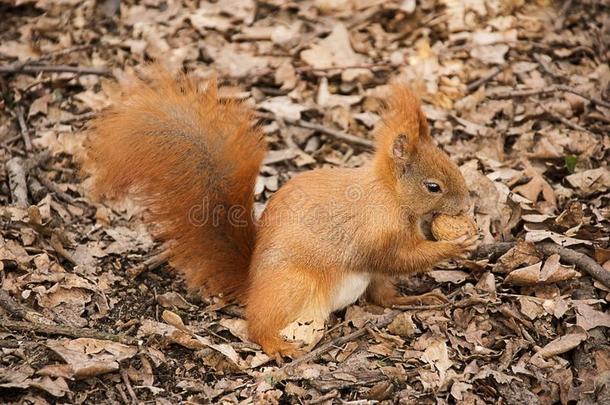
point(518, 93)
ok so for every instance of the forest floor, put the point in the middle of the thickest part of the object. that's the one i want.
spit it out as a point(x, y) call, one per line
point(516, 92)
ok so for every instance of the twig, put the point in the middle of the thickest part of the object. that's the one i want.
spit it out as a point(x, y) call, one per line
point(546, 67)
point(473, 86)
point(595, 100)
point(64, 331)
point(151, 263)
point(562, 15)
point(122, 394)
point(546, 90)
point(37, 191)
point(59, 248)
point(580, 260)
point(343, 136)
point(493, 250)
point(421, 307)
point(468, 302)
point(17, 182)
point(560, 118)
point(303, 69)
point(23, 129)
point(65, 51)
point(10, 140)
point(54, 188)
point(339, 341)
point(352, 139)
point(21, 311)
point(81, 117)
point(31, 68)
point(384, 321)
point(564, 120)
point(326, 398)
point(132, 394)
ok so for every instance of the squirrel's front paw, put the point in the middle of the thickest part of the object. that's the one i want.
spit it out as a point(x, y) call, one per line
point(464, 245)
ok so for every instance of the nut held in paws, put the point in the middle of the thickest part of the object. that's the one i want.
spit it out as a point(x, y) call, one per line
point(447, 227)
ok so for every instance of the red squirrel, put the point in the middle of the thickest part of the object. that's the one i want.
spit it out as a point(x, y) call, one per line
point(326, 237)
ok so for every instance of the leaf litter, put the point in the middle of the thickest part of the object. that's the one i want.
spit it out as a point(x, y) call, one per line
point(516, 92)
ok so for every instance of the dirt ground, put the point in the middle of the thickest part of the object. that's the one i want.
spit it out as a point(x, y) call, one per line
point(516, 92)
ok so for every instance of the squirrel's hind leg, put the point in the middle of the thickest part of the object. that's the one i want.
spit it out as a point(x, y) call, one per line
point(277, 297)
point(383, 292)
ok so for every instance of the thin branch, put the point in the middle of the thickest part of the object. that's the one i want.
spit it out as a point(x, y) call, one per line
point(285, 370)
point(547, 90)
point(581, 261)
point(151, 263)
point(545, 66)
point(560, 118)
point(23, 129)
point(54, 188)
point(32, 68)
point(81, 117)
point(473, 86)
point(132, 394)
point(595, 100)
point(21, 311)
point(303, 69)
point(64, 331)
point(340, 135)
point(65, 51)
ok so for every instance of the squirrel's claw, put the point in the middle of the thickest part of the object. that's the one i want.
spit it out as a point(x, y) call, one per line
point(465, 245)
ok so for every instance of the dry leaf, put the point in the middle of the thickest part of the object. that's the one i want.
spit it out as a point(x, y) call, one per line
point(87, 357)
point(332, 51)
point(588, 318)
point(562, 345)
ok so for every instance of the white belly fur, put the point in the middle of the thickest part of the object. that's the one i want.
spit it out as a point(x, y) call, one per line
point(350, 288)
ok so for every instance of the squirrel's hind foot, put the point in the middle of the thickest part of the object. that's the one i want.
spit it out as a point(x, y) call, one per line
point(277, 348)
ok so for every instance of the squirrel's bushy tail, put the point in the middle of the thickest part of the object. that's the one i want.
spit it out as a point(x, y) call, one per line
point(192, 161)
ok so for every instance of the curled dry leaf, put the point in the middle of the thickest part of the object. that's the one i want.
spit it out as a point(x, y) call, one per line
point(562, 345)
point(589, 318)
point(306, 331)
point(437, 356)
point(448, 276)
point(183, 336)
point(173, 299)
point(551, 272)
point(538, 235)
point(591, 181)
point(87, 357)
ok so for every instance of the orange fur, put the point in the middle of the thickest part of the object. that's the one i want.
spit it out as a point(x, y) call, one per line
point(327, 236)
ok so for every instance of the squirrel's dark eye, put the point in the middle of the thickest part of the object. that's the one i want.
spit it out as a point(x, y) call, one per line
point(432, 187)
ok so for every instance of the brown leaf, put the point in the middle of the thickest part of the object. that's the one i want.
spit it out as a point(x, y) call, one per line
point(588, 318)
point(87, 357)
point(334, 50)
point(403, 325)
point(562, 344)
point(591, 181)
point(173, 299)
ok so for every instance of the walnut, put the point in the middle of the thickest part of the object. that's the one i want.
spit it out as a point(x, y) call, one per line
point(447, 227)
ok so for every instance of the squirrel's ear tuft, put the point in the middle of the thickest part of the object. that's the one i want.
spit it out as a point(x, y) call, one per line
point(424, 130)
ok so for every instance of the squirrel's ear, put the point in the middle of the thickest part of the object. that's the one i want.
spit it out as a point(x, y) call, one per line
point(402, 147)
